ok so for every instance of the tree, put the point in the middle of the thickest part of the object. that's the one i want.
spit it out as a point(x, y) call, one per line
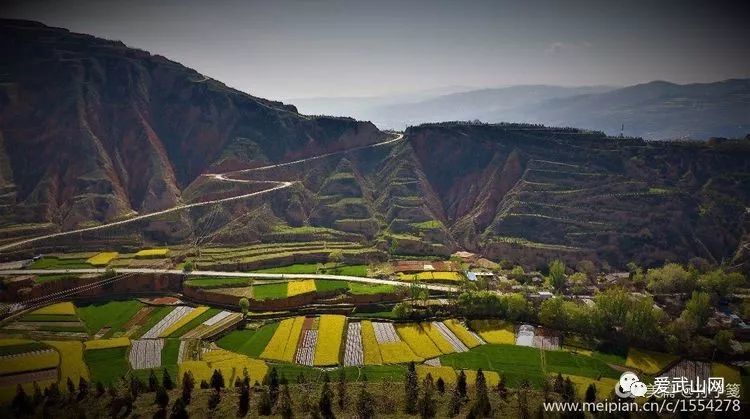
point(336, 257)
point(523, 399)
point(341, 387)
point(502, 387)
point(440, 385)
point(698, 309)
point(720, 283)
point(178, 410)
point(284, 406)
point(38, 396)
point(204, 385)
point(244, 305)
point(552, 314)
point(426, 404)
point(588, 268)
point(273, 385)
point(325, 402)
point(482, 406)
point(21, 404)
point(461, 385)
point(71, 387)
point(365, 404)
point(99, 389)
point(217, 380)
point(559, 384)
point(670, 278)
point(569, 390)
point(83, 388)
point(264, 404)
point(243, 403)
point(517, 307)
point(590, 393)
point(612, 308)
point(517, 273)
point(403, 310)
point(214, 399)
point(188, 383)
point(723, 341)
point(557, 275)
point(166, 380)
point(411, 387)
point(188, 266)
point(454, 406)
point(162, 398)
point(153, 383)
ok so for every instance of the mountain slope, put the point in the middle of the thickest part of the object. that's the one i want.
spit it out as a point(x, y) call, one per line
point(95, 131)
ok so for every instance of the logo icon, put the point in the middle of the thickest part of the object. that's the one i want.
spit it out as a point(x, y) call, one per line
point(630, 386)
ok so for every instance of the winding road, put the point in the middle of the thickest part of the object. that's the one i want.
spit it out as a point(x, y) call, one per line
point(224, 177)
point(222, 274)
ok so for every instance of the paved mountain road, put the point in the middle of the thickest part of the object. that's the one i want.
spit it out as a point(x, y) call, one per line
point(254, 275)
point(217, 176)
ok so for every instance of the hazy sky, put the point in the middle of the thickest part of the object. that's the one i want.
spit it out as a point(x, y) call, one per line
point(293, 49)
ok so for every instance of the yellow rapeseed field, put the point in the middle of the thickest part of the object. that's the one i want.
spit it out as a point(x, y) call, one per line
point(102, 259)
point(151, 253)
point(370, 346)
point(71, 360)
point(437, 338)
point(183, 321)
point(229, 363)
point(418, 340)
point(398, 353)
point(66, 308)
point(330, 334)
point(648, 361)
point(462, 333)
point(491, 377)
point(107, 343)
point(444, 276)
point(291, 345)
point(29, 362)
point(448, 374)
point(495, 331)
point(300, 287)
point(13, 341)
point(730, 374)
point(232, 365)
point(604, 386)
point(8, 392)
point(276, 348)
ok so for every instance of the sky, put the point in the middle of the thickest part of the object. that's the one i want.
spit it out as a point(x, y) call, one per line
point(282, 49)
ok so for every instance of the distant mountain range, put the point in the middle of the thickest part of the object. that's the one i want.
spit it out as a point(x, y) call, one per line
point(656, 110)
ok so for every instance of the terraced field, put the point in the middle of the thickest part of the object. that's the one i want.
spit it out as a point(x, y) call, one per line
point(179, 339)
point(272, 254)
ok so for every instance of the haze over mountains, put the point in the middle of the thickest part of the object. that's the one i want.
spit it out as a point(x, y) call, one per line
point(92, 131)
point(656, 110)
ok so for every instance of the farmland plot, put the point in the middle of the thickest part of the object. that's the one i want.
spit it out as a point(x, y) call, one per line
point(306, 348)
point(418, 340)
point(173, 317)
point(449, 336)
point(276, 348)
point(370, 347)
point(330, 334)
point(469, 338)
point(385, 332)
point(204, 331)
point(353, 354)
point(146, 353)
